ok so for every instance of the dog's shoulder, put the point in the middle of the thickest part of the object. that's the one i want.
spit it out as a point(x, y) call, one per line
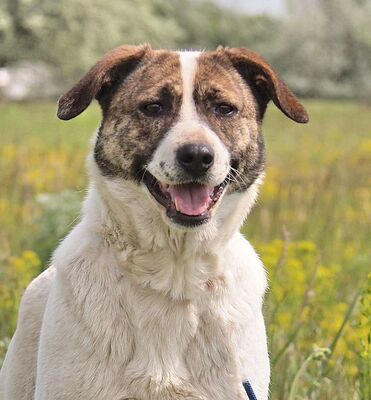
point(249, 272)
point(35, 296)
point(18, 374)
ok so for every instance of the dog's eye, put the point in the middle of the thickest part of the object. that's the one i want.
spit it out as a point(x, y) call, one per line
point(152, 109)
point(224, 109)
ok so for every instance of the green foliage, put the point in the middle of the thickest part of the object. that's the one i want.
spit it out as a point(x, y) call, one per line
point(59, 212)
point(365, 353)
point(71, 35)
point(313, 333)
point(322, 48)
point(206, 25)
point(4, 344)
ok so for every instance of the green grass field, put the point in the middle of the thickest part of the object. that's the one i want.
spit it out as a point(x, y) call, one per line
point(311, 227)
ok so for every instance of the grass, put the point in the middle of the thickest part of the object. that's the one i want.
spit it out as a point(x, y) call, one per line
point(311, 226)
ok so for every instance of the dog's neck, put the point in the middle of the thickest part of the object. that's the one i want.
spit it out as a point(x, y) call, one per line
point(175, 262)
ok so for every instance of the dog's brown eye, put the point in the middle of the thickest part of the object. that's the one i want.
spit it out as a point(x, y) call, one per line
point(224, 109)
point(152, 109)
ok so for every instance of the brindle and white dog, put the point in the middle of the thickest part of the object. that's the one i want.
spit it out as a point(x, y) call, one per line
point(155, 294)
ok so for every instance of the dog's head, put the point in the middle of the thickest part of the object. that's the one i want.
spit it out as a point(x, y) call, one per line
point(183, 126)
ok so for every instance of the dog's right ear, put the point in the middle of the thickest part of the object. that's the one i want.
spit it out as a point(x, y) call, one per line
point(266, 81)
point(115, 65)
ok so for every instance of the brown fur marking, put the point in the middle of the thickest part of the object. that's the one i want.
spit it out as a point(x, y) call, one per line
point(127, 137)
point(217, 81)
point(267, 82)
point(102, 75)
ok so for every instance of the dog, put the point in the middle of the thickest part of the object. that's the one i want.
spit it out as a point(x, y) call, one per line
point(154, 294)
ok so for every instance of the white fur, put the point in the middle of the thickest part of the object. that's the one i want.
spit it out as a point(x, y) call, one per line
point(188, 64)
point(135, 309)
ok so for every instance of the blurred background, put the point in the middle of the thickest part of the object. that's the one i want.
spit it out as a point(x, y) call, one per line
point(311, 225)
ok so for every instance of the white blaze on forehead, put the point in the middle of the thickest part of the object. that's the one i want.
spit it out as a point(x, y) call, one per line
point(188, 65)
point(189, 128)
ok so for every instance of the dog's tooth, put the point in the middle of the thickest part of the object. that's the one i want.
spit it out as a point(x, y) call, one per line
point(176, 204)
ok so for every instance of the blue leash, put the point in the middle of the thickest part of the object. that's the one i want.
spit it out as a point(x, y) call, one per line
point(249, 390)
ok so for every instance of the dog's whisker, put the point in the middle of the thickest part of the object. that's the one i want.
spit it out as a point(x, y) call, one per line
point(141, 171)
point(239, 177)
point(236, 177)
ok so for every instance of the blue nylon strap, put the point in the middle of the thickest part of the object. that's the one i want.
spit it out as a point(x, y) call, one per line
point(249, 390)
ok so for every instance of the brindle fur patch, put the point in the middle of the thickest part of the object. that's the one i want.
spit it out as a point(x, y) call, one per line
point(217, 81)
point(127, 137)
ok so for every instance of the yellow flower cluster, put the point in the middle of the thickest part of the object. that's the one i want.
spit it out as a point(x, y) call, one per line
point(304, 309)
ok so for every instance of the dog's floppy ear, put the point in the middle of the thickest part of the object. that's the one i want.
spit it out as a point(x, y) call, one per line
point(268, 84)
point(113, 66)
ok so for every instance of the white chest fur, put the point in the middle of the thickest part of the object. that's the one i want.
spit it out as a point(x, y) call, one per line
point(158, 323)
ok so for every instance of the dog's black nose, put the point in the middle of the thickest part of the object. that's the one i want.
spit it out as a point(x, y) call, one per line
point(196, 159)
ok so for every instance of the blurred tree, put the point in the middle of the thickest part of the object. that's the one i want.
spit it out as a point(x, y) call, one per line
point(15, 34)
point(70, 34)
point(207, 25)
point(324, 48)
point(321, 47)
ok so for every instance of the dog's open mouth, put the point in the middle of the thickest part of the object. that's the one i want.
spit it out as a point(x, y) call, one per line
point(187, 204)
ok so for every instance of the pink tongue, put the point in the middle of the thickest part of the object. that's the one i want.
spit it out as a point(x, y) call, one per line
point(191, 198)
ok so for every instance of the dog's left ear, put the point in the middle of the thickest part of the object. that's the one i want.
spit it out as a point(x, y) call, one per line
point(268, 85)
point(115, 65)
